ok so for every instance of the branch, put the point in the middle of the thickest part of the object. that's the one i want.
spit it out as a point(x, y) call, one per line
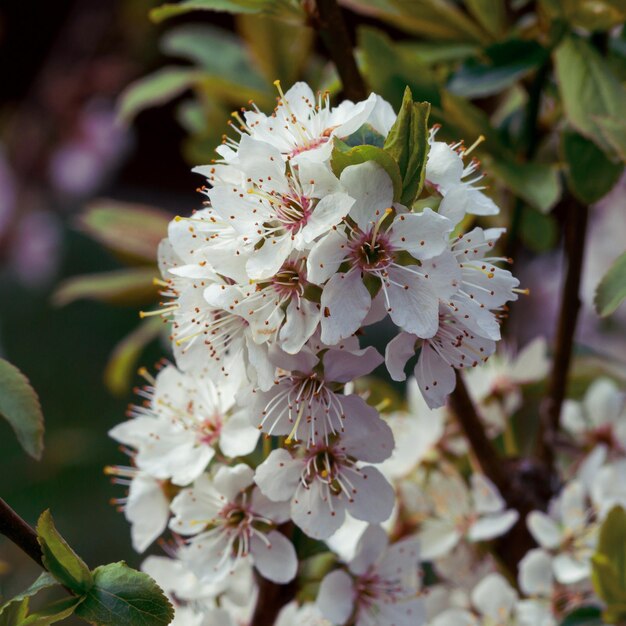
point(327, 18)
point(19, 532)
point(486, 455)
point(574, 245)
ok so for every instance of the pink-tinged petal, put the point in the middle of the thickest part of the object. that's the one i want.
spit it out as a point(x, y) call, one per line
point(436, 379)
point(492, 526)
point(274, 557)
point(402, 562)
point(373, 496)
point(147, 510)
point(544, 529)
point(569, 570)
point(279, 475)
point(329, 211)
point(367, 436)
point(535, 573)
point(345, 303)
point(312, 512)
point(342, 366)
point(326, 256)
point(378, 310)
point(413, 304)
point(301, 320)
point(397, 353)
point(238, 437)
point(437, 538)
point(371, 187)
point(231, 481)
point(487, 498)
point(423, 235)
point(370, 549)
point(335, 598)
point(265, 261)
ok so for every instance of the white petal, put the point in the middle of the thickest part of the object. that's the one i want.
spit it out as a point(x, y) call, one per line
point(492, 526)
point(535, 573)
point(401, 562)
point(147, 510)
point(398, 351)
point(279, 475)
point(371, 546)
point(373, 496)
point(371, 187)
point(343, 366)
point(345, 303)
point(544, 529)
point(423, 235)
point(301, 320)
point(277, 560)
point(436, 379)
point(437, 538)
point(487, 498)
point(603, 402)
point(265, 261)
point(569, 570)
point(454, 617)
point(494, 597)
point(238, 437)
point(312, 512)
point(231, 481)
point(336, 597)
point(532, 363)
point(326, 256)
point(329, 211)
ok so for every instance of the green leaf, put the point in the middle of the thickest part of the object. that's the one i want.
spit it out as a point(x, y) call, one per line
point(594, 15)
point(279, 49)
point(60, 560)
point(344, 156)
point(506, 63)
point(155, 89)
point(540, 232)
point(614, 133)
point(13, 612)
point(365, 136)
point(608, 564)
point(590, 174)
point(132, 286)
point(584, 616)
point(536, 183)
point(53, 613)
point(407, 143)
point(121, 595)
point(611, 291)
point(588, 88)
point(44, 581)
point(122, 363)
point(390, 68)
point(167, 11)
point(490, 14)
point(131, 231)
point(232, 66)
point(19, 405)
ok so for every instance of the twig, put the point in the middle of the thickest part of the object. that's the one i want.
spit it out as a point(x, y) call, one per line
point(574, 246)
point(486, 455)
point(19, 532)
point(327, 18)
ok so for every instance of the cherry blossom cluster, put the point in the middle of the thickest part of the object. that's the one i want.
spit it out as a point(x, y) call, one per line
point(259, 437)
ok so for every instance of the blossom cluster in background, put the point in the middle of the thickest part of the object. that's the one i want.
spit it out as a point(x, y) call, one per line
point(260, 450)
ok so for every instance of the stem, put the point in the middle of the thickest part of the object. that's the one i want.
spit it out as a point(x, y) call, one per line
point(328, 20)
point(486, 455)
point(19, 532)
point(574, 246)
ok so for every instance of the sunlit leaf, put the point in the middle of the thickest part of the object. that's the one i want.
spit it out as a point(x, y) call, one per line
point(611, 291)
point(13, 612)
point(53, 613)
point(590, 174)
point(122, 363)
point(132, 231)
point(594, 15)
point(588, 88)
point(490, 14)
point(280, 50)
point(19, 405)
point(167, 11)
point(59, 558)
point(155, 89)
point(132, 287)
point(121, 595)
point(44, 581)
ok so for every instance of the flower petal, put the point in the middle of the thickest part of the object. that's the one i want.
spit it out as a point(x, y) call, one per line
point(275, 558)
point(336, 597)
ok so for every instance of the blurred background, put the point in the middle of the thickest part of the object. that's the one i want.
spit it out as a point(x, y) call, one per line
point(88, 182)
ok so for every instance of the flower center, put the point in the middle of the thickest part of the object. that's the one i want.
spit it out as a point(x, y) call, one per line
point(293, 212)
point(371, 252)
point(288, 281)
point(209, 430)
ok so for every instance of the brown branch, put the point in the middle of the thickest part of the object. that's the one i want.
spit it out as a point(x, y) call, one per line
point(326, 17)
point(486, 455)
point(574, 246)
point(19, 532)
